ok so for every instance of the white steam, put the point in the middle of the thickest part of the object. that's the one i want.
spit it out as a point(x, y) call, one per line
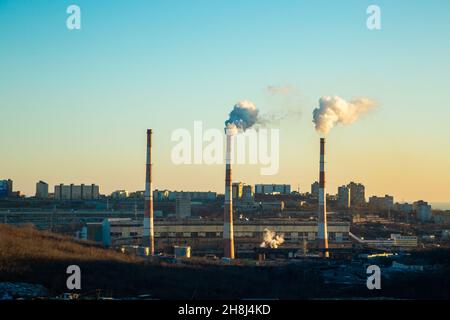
point(271, 239)
point(334, 110)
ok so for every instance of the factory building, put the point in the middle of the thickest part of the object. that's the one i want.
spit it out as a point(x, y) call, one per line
point(404, 241)
point(114, 229)
point(272, 206)
point(76, 192)
point(183, 205)
point(357, 194)
point(273, 188)
point(41, 190)
point(343, 197)
point(208, 235)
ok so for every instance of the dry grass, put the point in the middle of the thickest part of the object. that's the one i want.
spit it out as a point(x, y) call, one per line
point(28, 255)
point(17, 243)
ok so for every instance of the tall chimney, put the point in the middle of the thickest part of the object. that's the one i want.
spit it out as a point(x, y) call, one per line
point(228, 234)
point(148, 239)
point(322, 234)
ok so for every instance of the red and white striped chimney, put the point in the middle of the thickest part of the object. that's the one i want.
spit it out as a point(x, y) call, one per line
point(148, 234)
point(322, 233)
point(228, 234)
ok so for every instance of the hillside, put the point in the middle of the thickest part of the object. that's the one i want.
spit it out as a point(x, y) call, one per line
point(40, 257)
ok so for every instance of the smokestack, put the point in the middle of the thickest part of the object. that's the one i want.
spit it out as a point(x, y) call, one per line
point(228, 234)
point(322, 234)
point(148, 235)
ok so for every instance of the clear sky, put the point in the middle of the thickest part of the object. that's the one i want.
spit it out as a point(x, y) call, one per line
point(74, 105)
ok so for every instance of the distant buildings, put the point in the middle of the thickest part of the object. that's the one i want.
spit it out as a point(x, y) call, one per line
point(76, 192)
point(236, 188)
point(383, 203)
point(442, 217)
point(160, 195)
point(423, 211)
point(343, 197)
point(405, 208)
point(119, 194)
point(357, 194)
point(248, 193)
point(273, 188)
point(42, 190)
point(195, 195)
point(183, 205)
point(315, 189)
point(136, 195)
point(242, 192)
point(6, 187)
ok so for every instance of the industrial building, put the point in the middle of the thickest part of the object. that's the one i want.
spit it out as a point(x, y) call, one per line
point(183, 205)
point(204, 236)
point(76, 192)
point(396, 240)
point(116, 229)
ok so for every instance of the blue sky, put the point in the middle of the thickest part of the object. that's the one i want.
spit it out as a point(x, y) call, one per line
point(75, 104)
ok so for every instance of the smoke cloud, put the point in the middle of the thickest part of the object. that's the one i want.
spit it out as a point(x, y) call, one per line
point(271, 239)
point(243, 116)
point(279, 90)
point(334, 110)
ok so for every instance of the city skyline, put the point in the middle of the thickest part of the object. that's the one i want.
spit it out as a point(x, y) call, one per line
point(78, 102)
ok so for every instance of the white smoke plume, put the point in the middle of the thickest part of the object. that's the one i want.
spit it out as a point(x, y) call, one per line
point(334, 110)
point(285, 104)
point(271, 239)
point(243, 116)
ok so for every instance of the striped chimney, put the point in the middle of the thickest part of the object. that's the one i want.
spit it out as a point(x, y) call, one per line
point(228, 234)
point(322, 234)
point(148, 239)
